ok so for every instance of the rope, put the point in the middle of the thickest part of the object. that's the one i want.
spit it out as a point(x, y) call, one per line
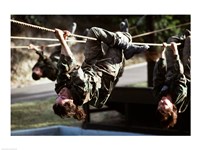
point(153, 44)
point(22, 47)
point(81, 41)
point(152, 32)
point(53, 45)
point(58, 44)
point(47, 29)
point(45, 39)
point(27, 47)
point(33, 26)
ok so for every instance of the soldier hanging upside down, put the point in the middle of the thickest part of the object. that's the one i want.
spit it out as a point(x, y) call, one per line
point(47, 66)
point(172, 86)
point(94, 81)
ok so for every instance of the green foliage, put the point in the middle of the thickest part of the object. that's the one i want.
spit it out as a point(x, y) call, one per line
point(139, 84)
point(170, 21)
point(139, 23)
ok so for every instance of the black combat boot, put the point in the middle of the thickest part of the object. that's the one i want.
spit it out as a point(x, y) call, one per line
point(134, 49)
point(125, 42)
point(73, 27)
point(129, 48)
point(124, 26)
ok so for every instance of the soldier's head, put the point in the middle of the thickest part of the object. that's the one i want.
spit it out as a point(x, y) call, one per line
point(65, 108)
point(37, 72)
point(44, 68)
point(167, 112)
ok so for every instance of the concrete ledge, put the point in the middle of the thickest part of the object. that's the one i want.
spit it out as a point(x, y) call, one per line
point(68, 131)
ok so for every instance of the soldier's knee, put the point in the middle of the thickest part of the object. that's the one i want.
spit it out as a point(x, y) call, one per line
point(125, 35)
point(93, 31)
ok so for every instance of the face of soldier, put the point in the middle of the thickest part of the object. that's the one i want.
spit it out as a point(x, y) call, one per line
point(165, 105)
point(64, 99)
point(38, 71)
point(63, 96)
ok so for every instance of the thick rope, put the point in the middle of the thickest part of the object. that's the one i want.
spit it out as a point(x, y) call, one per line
point(27, 47)
point(80, 41)
point(53, 45)
point(58, 44)
point(21, 47)
point(154, 44)
point(152, 32)
point(45, 39)
point(33, 26)
point(50, 30)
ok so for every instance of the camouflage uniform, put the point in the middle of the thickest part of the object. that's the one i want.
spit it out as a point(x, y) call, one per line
point(184, 53)
point(172, 75)
point(95, 79)
point(47, 65)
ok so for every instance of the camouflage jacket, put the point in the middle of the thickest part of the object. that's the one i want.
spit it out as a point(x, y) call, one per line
point(184, 53)
point(175, 84)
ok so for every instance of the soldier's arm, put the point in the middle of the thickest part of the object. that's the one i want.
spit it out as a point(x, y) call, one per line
point(38, 51)
point(179, 90)
point(62, 35)
point(66, 56)
point(159, 72)
point(66, 64)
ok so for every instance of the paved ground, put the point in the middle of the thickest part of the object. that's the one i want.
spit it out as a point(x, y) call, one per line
point(132, 74)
